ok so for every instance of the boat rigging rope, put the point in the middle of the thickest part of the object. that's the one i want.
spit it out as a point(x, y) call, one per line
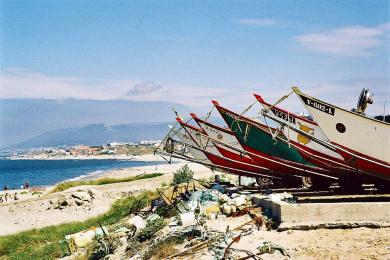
point(277, 102)
point(270, 130)
point(248, 108)
point(209, 114)
point(236, 120)
point(265, 111)
point(170, 131)
point(246, 132)
point(288, 129)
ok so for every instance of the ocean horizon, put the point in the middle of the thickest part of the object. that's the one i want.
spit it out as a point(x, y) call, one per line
point(14, 173)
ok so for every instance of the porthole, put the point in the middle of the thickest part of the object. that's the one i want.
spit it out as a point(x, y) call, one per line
point(340, 127)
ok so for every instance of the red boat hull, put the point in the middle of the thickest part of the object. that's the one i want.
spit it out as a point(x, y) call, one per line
point(275, 163)
point(375, 167)
point(235, 167)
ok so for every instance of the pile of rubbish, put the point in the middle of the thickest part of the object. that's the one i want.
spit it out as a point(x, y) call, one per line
point(178, 218)
point(77, 198)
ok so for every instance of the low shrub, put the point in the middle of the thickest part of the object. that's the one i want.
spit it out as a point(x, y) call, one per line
point(182, 175)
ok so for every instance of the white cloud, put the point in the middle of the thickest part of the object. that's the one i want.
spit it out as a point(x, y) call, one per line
point(24, 83)
point(144, 88)
point(346, 41)
point(256, 22)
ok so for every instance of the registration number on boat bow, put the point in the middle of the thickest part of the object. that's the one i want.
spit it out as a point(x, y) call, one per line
point(318, 105)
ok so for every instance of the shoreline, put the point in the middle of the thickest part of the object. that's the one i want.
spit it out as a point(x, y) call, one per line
point(94, 175)
point(81, 157)
point(34, 211)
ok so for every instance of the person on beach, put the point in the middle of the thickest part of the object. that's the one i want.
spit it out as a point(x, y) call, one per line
point(16, 196)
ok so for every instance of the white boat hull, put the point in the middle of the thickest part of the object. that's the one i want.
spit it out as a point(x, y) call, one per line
point(361, 140)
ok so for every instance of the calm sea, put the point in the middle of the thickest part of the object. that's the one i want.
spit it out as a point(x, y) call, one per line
point(14, 173)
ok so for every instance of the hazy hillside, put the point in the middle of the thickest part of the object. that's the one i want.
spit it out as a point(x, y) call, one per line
point(23, 119)
point(96, 134)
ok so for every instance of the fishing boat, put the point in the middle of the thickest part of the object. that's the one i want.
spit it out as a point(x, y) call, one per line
point(213, 154)
point(364, 142)
point(305, 133)
point(190, 145)
point(266, 147)
point(228, 145)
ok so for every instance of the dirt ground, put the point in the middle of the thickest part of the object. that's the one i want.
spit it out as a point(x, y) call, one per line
point(356, 243)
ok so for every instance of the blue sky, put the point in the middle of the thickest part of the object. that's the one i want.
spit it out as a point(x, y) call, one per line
point(192, 51)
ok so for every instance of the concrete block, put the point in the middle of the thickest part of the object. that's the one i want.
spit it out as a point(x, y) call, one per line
point(325, 213)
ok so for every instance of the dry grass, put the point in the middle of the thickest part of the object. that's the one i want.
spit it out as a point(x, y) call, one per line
point(69, 184)
point(47, 243)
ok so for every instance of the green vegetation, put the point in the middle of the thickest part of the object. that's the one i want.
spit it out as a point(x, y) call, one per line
point(151, 228)
point(102, 181)
point(182, 175)
point(47, 243)
point(36, 193)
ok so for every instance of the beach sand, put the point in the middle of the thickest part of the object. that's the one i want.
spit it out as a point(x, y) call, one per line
point(31, 211)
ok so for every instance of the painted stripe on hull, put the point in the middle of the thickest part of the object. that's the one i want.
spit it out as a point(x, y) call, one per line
point(267, 159)
point(325, 161)
point(233, 154)
point(374, 169)
point(218, 159)
point(297, 125)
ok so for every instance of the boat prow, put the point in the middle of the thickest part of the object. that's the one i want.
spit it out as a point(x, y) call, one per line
point(362, 141)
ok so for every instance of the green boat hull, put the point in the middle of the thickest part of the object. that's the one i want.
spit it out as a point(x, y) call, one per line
point(258, 137)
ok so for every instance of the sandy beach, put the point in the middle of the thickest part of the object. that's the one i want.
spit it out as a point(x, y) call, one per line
point(35, 211)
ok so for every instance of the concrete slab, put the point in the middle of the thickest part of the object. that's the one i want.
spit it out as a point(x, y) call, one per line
point(328, 215)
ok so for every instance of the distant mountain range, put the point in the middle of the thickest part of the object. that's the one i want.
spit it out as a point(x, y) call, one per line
point(26, 123)
point(96, 134)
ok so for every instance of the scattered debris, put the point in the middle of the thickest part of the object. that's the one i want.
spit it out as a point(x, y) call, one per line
point(84, 238)
point(153, 224)
point(282, 197)
point(269, 248)
point(77, 198)
point(186, 207)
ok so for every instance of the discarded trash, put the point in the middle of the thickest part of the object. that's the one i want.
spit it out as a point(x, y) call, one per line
point(269, 247)
point(187, 219)
point(171, 194)
point(280, 196)
point(212, 209)
point(153, 224)
point(226, 209)
point(99, 232)
point(138, 222)
point(239, 201)
point(204, 197)
point(83, 238)
point(223, 198)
